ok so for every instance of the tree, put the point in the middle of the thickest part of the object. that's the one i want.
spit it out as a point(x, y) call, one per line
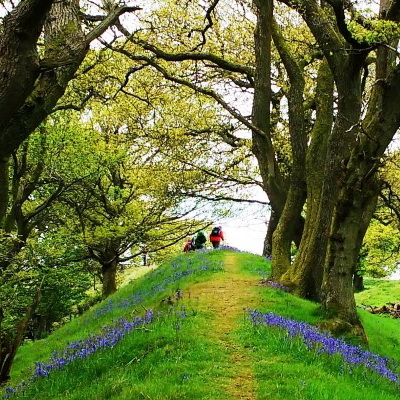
point(335, 151)
point(36, 178)
point(355, 146)
point(42, 45)
point(380, 251)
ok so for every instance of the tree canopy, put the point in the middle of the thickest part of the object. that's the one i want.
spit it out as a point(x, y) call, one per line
point(125, 130)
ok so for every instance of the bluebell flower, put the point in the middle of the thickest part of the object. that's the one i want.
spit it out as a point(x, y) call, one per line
point(322, 342)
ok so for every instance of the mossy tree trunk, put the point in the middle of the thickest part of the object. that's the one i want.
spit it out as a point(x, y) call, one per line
point(291, 213)
point(31, 85)
point(305, 274)
point(353, 212)
point(109, 275)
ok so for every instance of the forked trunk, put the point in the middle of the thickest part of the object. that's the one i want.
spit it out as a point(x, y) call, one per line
point(305, 274)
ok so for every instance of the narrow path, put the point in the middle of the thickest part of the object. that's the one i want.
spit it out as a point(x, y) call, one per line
point(227, 296)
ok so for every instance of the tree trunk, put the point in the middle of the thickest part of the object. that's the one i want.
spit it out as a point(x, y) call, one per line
point(19, 63)
point(358, 282)
point(4, 189)
point(30, 88)
point(109, 274)
point(286, 230)
point(10, 344)
point(273, 182)
point(291, 214)
point(352, 214)
point(305, 274)
point(272, 224)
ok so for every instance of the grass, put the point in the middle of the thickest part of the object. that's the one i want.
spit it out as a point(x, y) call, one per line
point(149, 291)
point(161, 362)
point(379, 292)
point(286, 369)
point(182, 356)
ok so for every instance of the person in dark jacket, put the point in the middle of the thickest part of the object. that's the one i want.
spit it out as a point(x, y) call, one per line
point(216, 236)
point(200, 240)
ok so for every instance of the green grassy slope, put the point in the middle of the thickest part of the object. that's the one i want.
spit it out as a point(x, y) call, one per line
point(190, 347)
point(379, 292)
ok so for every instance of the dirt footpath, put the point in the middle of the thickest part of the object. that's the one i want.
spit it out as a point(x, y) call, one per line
point(227, 296)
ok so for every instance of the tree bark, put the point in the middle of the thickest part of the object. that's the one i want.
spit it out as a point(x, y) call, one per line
point(19, 61)
point(274, 183)
point(353, 212)
point(305, 274)
point(291, 214)
point(10, 344)
point(32, 87)
point(272, 224)
point(109, 274)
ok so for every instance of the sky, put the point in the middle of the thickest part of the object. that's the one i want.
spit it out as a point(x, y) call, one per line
point(246, 232)
point(247, 229)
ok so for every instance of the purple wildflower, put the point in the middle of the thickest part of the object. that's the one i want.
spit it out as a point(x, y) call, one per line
point(324, 343)
point(140, 296)
point(275, 285)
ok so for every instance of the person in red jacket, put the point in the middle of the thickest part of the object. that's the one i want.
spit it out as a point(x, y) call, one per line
point(216, 236)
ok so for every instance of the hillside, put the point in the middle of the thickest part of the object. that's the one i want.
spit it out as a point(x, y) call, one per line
point(207, 326)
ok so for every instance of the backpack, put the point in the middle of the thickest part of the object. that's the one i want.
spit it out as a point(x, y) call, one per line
point(215, 231)
point(200, 238)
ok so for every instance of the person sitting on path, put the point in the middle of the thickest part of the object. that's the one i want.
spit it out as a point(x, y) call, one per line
point(216, 236)
point(200, 240)
point(189, 246)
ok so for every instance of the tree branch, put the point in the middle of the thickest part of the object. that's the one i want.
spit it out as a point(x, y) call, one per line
point(108, 21)
point(208, 26)
point(338, 9)
point(219, 61)
point(208, 92)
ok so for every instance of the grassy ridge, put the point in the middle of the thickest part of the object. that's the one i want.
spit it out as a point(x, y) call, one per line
point(175, 356)
point(146, 292)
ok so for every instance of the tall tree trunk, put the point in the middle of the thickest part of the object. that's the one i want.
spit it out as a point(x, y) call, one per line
point(4, 189)
point(355, 204)
point(352, 215)
point(291, 214)
point(109, 275)
point(262, 146)
point(10, 344)
point(305, 274)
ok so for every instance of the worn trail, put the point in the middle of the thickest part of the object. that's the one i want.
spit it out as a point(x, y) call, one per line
point(226, 297)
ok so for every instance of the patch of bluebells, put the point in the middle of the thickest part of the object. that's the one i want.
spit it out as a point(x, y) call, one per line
point(141, 295)
point(322, 342)
point(81, 349)
point(275, 285)
point(230, 248)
